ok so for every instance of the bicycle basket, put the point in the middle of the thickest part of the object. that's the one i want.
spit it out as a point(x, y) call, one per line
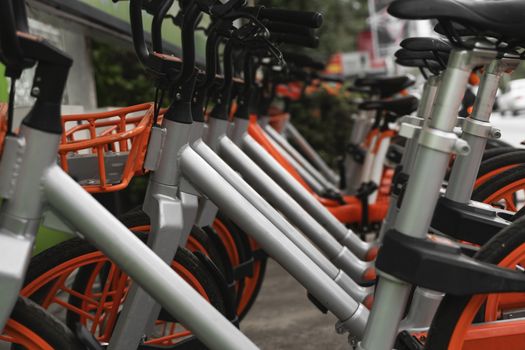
point(103, 151)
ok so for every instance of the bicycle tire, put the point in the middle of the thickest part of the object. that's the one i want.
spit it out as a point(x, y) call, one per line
point(251, 284)
point(445, 322)
point(498, 182)
point(492, 152)
point(53, 259)
point(35, 323)
point(501, 161)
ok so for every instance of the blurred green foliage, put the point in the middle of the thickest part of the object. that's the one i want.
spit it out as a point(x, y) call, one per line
point(120, 79)
point(324, 120)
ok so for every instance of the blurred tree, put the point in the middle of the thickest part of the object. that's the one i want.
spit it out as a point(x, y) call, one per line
point(120, 78)
point(324, 120)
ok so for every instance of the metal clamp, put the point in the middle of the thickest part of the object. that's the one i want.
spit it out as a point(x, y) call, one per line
point(412, 119)
point(442, 141)
point(480, 128)
point(14, 149)
point(409, 130)
point(155, 144)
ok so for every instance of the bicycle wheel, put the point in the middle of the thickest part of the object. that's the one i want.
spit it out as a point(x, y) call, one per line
point(460, 321)
point(137, 220)
point(505, 190)
point(79, 283)
point(492, 152)
point(498, 164)
point(31, 327)
point(237, 251)
point(247, 249)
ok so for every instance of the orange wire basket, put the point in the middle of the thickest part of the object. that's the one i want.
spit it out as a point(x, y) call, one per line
point(103, 151)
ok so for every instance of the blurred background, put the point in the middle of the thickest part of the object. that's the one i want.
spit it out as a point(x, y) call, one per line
point(358, 37)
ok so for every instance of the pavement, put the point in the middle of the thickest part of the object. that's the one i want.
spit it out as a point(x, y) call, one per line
point(284, 318)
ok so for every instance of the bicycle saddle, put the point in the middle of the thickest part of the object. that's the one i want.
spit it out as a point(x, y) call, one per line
point(421, 55)
point(385, 86)
point(501, 17)
point(399, 106)
point(425, 44)
point(434, 66)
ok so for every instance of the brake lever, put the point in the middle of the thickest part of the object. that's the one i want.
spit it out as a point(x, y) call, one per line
point(221, 10)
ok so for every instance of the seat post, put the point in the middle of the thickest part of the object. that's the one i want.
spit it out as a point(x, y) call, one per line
point(476, 131)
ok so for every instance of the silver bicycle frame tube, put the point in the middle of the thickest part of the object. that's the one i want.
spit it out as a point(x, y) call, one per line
point(476, 131)
point(287, 147)
point(269, 165)
point(362, 122)
point(288, 230)
point(351, 314)
point(171, 214)
point(282, 201)
point(239, 130)
point(111, 237)
point(315, 185)
point(21, 212)
point(24, 162)
point(409, 153)
point(293, 134)
point(422, 192)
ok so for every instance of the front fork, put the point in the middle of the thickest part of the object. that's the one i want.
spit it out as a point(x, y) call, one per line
point(436, 143)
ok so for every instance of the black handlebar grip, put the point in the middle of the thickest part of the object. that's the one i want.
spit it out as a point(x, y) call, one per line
point(303, 18)
point(299, 40)
point(287, 28)
point(303, 60)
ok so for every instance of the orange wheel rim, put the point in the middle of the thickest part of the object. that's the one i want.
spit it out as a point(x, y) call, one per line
point(16, 333)
point(464, 329)
point(506, 194)
point(227, 241)
point(99, 307)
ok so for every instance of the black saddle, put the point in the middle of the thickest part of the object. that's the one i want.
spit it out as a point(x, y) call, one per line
point(434, 66)
point(426, 44)
point(421, 55)
point(385, 86)
point(504, 18)
point(398, 106)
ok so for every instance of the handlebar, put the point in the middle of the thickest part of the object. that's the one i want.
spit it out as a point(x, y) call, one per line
point(305, 18)
point(14, 19)
point(288, 28)
point(303, 61)
point(300, 40)
point(156, 25)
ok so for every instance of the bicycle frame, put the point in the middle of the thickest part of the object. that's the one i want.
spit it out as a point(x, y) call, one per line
point(40, 181)
point(295, 136)
point(362, 122)
point(330, 286)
